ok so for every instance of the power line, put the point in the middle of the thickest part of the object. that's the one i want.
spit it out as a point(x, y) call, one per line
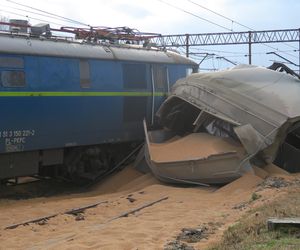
point(216, 13)
point(221, 51)
point(194, 15)
point(31, 17)
point(35, 13)
point(49, 13)
point(240, 53)
point(26, 16)
point(206, 56)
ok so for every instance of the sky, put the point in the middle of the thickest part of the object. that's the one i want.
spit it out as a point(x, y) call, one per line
point(171, 17)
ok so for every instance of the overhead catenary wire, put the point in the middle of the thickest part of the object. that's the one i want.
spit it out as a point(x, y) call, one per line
point(117, 30)
point(219, 51)
point(198, 57)
point(65, 19)
point(29, 17)
point(194, 15)
point(234, 55)
point(35, 13)
point(216, 13)
point(240, 53)
point(233, 52)
point(49, 13)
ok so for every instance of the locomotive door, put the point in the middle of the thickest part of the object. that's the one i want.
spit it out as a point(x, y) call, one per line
point(160, 86)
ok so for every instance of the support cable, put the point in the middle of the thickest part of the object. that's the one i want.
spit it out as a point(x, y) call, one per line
point(49, 13)
point(35, 13)
point(194, 15)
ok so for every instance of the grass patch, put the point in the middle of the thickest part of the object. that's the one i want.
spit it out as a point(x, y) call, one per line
point(255, 196)
point(251, 231)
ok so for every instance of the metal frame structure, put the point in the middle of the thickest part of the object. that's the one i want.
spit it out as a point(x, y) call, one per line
point(228, 38)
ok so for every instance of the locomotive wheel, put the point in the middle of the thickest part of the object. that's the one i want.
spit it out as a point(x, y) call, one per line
point(88, 164)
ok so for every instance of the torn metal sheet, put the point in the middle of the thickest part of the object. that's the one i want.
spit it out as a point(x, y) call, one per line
point(196, 158)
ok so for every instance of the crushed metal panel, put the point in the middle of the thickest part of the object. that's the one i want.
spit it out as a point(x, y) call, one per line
point(264, 102)
point(260, 105)
point(253, 95)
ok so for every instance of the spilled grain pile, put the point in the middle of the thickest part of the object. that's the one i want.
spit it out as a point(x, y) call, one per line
point(211, 209)
point(193, 146)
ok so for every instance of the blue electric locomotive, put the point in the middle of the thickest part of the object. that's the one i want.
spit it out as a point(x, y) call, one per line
point(59, 98)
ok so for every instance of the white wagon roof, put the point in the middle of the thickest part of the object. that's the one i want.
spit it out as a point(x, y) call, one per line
point(51, 47)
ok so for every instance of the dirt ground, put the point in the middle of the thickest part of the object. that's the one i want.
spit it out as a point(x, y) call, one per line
point(207, 211)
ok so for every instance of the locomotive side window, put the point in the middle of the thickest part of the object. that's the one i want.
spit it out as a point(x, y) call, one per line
point(134, 76)
point(11, 62)
point(160, 77)
point(15, 78)
point(84, 69)
point(11, 72)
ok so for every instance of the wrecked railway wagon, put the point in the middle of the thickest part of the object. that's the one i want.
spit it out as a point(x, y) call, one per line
point(249, 113)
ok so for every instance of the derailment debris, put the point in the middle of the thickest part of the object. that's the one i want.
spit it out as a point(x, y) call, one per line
point(214, 126)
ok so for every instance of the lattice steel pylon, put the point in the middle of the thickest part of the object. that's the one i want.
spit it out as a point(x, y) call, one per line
point(228, 38)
